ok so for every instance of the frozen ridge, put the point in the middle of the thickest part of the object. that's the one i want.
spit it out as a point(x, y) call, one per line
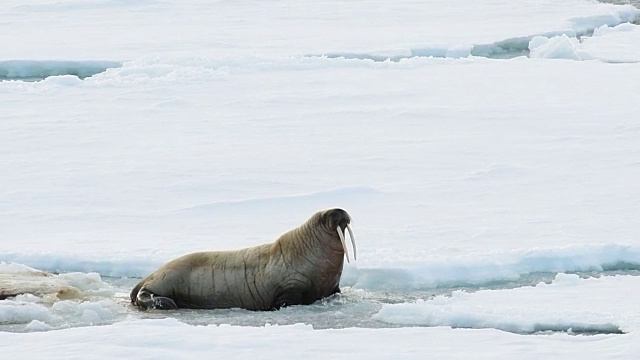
point(581, 27)
point(410, 274)
point(40, 69)
point(582, 39)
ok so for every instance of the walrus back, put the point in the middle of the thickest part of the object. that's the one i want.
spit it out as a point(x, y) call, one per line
point(208, 280)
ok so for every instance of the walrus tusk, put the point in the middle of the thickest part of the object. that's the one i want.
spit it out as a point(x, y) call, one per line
point(353, 241)
point(344, 245)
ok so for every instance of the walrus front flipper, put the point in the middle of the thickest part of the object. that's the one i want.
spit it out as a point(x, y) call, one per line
point(287, 298)
point(147, 300)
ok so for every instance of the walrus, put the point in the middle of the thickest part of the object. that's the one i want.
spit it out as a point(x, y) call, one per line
point(299, 268)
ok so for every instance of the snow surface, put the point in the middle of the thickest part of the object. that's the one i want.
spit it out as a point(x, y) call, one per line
point(219, 125)
point(526, 309)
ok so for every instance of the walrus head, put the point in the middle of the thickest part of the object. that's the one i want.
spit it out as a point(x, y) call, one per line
point(338, 220)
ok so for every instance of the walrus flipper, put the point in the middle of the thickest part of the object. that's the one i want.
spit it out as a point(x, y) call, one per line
point(287, 298)
point(147, 300)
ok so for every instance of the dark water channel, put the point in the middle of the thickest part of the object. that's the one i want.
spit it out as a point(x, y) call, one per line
point(352, 308)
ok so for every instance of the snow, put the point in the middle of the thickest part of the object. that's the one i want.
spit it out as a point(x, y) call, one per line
point(61, 314)
point(467, 169)
point(487, 153)
point(170, 339)
point(526, 309)
point(616, 44)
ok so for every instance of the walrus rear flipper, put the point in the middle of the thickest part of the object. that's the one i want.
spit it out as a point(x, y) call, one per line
point(147, 300)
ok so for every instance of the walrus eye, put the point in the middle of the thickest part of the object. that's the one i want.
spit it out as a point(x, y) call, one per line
point(344, 244)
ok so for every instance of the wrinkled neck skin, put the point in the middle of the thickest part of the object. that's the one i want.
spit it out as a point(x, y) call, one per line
point(321, 246)
point(313, 258)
